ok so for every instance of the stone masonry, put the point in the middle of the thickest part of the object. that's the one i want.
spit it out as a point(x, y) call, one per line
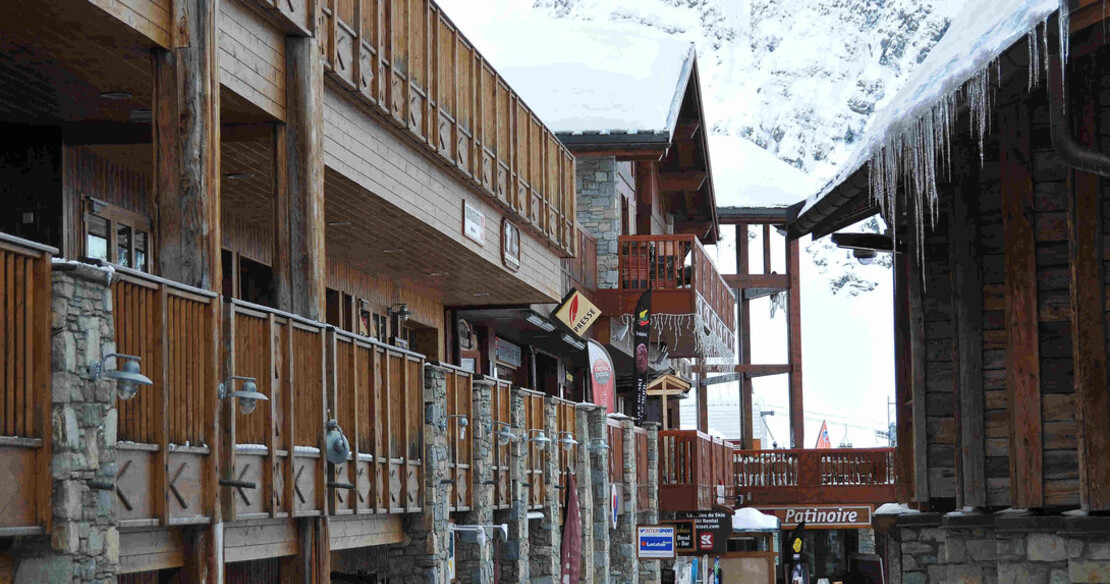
point(475, 562)
point(422, 558)
point(584, 462)
point(622, 547)
point(545, 533)
point(650, 569)
point(84, 542)
point(514, 552)
point(599, 212)
point(599, 463)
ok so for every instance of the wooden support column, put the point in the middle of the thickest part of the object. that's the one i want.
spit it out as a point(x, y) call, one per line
point(302, 258)
point(967, 347)
point(703, 399)
point(186, 137)
point(794, 340)
point(903, 383)
point(743, 267)
point(1088, 306)
point(915, 321)
point(1022, 351)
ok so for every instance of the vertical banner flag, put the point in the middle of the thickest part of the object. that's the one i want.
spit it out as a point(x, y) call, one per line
point(823, 437)
point(641, 344)
point(571, 560)
point(603, 376)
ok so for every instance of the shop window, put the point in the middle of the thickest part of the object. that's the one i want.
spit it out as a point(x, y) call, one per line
point(256, 282)
point(118, 236)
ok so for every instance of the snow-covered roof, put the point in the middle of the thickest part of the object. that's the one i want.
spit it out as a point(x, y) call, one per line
point(754, 177)
point(979, 34)
point(586, 77)
point(752, 519)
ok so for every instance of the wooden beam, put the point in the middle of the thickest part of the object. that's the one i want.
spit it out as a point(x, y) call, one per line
point(749, 281)
point(686, 129)
point(1088, 308)
point(967, 349)
point(186, 138)
point(687, 182)
point(745, 348)
point(793, 338)
point(305, 176)
point(915, 297)
point(1023, 372)
point(903, 384)
point(748, 369)
point(703, 403)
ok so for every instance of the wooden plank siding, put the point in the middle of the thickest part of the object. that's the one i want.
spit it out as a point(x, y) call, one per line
point(152, 18)
point(252, 57)
point(939, 370)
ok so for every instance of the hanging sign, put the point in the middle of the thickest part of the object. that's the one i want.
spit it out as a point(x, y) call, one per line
point(451, 557)
point(822, 516)
point(711, 530)
point(655, 542)
point(508, 353)
point(577, 313)
point(683, 535)
point(602, 376)
point(510, 245)
point(474, 224)
point(615, 503)
point(641, 342)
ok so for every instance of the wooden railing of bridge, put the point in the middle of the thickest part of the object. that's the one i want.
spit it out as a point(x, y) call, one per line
point(841, 475)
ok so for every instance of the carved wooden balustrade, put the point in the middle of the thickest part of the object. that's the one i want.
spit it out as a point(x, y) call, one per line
point(838, 475)
point(695, 471)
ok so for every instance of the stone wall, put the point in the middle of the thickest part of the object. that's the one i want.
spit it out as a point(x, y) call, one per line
point(475, 562)
point(599, 212)
point(584, 461)
point(515, 550)
point(544, 534)
point(650, 569)
point(599, 468)
point(84, 543)
point(625, 567)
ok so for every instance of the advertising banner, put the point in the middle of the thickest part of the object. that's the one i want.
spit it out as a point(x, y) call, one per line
point(641, 351)
point(655, 542)
point(603, 377)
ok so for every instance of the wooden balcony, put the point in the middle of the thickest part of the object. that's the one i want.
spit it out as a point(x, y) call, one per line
point(695, 471)
point(821, 476)
point(683, 281)
point(581, 271)
point(406, 60)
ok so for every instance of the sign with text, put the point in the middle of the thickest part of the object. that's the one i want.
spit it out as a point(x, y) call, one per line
point(510, 245)
point(474, 224)
point(602, 375)
point(822, 516)
point(577, 313)
point(683, 535)
point(711, 530)
point(655, 542)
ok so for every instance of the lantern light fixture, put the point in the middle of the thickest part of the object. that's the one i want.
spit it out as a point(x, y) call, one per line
point(128, 376)
point(248, 396)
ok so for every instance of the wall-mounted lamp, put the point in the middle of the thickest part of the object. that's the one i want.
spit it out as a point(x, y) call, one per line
point(338, 449)
point(597, 445)
point(127, 377)
point(506, 433)
point(540, 322)
point(463, 423)
point(540, 439)
point(865, 256)
point(477, 533)
point(248, 397)
point(568, 441)
point(401, 311)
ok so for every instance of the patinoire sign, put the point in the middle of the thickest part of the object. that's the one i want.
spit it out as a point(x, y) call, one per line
point(822, 516)
point(655, 542)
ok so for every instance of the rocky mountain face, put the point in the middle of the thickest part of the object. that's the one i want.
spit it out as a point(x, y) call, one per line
point(799, 78)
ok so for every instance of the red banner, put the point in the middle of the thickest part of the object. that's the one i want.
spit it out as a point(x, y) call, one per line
point(572, 536)
point(603, 376)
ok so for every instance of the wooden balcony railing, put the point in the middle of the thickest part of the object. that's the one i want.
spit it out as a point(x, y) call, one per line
point(167, 431)
point(642, 469)
point(616, 450)
point(565, 421)
point(460, 402)
point(674, 262)
point(25, 436)
point(694, 470)
point(581, 271)
point(501, 406)
point(848, 475)
point(411, 64)
point(533, 456)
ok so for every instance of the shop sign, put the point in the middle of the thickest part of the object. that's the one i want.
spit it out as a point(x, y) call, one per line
point(508, 353)
point(683, 535)
point(602, 375)
point(474, 224)
point(577, 313)
point(510, 245)
point(822, 516)
point(655, 542)
point(711, 530)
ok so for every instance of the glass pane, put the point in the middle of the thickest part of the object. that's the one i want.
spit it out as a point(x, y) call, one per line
point(140, 251)
point(96, 241)
point(123, 245)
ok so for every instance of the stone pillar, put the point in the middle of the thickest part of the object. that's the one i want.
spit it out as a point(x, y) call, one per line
point(622, 548)
point(475, 562)
point(545, 534)
point(423, 557)
point(515, 551)
point(599, 212)
point(599, 466)
point(650, 569)
point(584, 472)
point(84, 539)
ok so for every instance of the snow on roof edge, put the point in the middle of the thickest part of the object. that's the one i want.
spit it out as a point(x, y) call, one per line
point(680, 89)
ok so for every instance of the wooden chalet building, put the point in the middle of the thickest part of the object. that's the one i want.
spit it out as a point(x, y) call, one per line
point(304, 223)
point(1000, 304)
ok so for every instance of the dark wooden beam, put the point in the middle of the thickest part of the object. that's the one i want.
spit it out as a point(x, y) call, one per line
point(903, 385)
point(1088, 307)
point(745, 348)
point(872, 241)
point(687, 181)
point(793, 338)
point(748, 369)
point(305, 176)
point(967, 348)
point(1023, 373)
point(915, 297)
point(749, 281)
point(686, 129)
point(767, 250)
point(703, 402)
point(754, 215)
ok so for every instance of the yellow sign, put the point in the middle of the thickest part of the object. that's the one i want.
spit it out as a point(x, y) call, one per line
point(798, 545)
point(577, 313)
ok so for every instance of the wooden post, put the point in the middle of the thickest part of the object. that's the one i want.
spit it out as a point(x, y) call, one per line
point(1088, 309)
point(794, 343)
point(1023, 372)
point(186, 137)
point(903, 382)
point(283, 275)
point(743, 268)
point(915, 299)
point(703, 398)
point(304, 179)
point(967, 300)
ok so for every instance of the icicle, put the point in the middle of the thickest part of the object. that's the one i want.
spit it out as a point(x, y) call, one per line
point(1044, 47)
point(1034, 59)
point(1065, 33)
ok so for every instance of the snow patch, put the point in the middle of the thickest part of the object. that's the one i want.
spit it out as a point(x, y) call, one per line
point(895, 509)
point(751, 519)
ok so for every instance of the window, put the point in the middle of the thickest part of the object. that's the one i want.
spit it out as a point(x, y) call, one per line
point(116, 235)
